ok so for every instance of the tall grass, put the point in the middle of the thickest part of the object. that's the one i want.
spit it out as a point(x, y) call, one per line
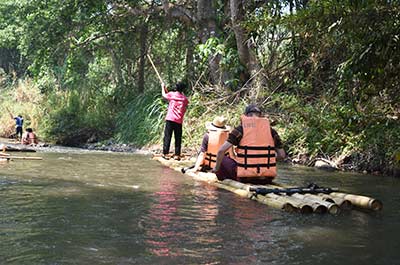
point(20, 98)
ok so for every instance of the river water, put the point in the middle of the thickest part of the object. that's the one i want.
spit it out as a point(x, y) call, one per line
point(79, 207)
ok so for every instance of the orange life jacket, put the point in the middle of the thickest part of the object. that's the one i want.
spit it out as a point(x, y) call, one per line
point(216, 138)
point(256, 150)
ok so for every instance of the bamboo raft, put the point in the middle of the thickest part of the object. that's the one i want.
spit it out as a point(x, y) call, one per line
point(18, 149)
point(332, 203)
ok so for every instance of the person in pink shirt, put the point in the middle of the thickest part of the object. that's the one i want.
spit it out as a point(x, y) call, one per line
point(173, 122)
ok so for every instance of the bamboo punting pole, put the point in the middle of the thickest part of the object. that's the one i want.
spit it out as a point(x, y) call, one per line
point(155, 69)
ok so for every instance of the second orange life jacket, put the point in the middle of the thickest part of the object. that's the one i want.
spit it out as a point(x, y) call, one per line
point(256, 151)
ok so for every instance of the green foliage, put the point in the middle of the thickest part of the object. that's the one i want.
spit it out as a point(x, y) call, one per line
point(70, 120)
point(330, 71)
point(215, 49)
point(142, 120)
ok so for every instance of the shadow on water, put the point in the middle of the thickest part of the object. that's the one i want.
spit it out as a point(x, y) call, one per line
point(106, 208)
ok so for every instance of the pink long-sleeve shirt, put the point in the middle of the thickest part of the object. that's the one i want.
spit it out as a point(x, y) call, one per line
point(176, 107)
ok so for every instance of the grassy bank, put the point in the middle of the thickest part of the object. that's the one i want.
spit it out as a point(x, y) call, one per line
point(361, 140)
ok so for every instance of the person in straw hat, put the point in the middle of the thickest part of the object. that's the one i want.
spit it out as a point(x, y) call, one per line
point(216, 135)
point(258, 146)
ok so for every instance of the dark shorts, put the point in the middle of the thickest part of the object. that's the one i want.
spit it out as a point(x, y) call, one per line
point(18, 130)
point(228, 169)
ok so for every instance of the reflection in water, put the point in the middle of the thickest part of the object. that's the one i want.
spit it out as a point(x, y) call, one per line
point(173, 222)
point(104, 208)
point(161, 213)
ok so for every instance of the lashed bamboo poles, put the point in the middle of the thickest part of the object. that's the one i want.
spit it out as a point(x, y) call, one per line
point(359, 201)
point(274, 201)
point(332, 208)
point(318, 203)
point(298, 204)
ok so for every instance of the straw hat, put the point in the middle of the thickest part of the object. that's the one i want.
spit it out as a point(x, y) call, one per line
point(219, 123)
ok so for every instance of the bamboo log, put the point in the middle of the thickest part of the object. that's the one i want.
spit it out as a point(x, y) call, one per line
point(303, 207)
point(14, 149)
point(360, 201)
point(342, 203)
point(332, 208)
point(262, 199)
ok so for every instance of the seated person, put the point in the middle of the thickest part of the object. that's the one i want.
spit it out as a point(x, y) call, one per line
point(216, 135)
point(258, 146)
point(29, 137)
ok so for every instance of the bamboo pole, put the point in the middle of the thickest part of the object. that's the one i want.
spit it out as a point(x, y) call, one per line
point(155, 69)
point(262, 199)
point(360, 201)
point(342, 203)
point(303, 207)
point(332, 208)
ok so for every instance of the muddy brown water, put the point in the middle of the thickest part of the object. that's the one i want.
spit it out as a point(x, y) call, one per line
point(80, 207)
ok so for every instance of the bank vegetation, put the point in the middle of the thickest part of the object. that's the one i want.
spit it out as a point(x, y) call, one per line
point(326, 72)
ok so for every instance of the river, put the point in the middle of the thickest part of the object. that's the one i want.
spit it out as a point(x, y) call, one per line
point(80, 207)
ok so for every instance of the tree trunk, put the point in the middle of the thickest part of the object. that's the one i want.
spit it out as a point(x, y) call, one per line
point(189, 57)
point(244, 46)
point(207, 24)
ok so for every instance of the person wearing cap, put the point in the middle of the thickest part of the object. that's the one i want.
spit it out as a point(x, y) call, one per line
point(258, 146)
point(217, 133)
point(19, 121)
point(178, 103)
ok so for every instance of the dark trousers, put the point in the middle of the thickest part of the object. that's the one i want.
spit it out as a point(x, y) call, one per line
point(18, 131)
point(176, 129)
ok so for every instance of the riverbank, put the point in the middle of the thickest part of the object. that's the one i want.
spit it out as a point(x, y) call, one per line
point(349, 163)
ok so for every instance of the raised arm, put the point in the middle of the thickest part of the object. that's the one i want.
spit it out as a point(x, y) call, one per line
point(164, 90)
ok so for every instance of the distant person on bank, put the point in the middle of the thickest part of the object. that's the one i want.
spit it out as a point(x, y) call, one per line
point(178, 103)
point(258, 146)
point(19, 122)
point(217, 133)
point(29, 137)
